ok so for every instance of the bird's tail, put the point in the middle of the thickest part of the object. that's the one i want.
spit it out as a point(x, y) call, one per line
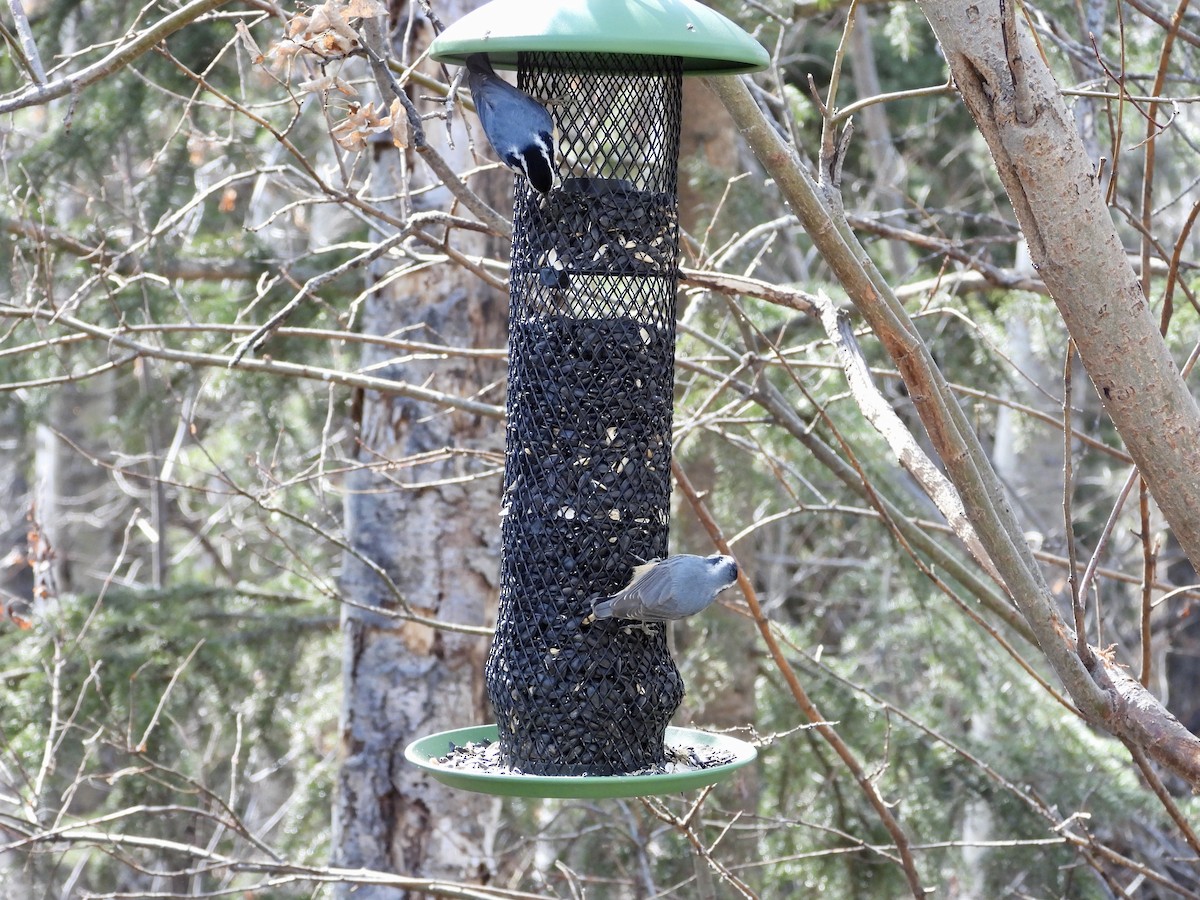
point(479, 64)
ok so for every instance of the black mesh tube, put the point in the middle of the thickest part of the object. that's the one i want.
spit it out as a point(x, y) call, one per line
point(587, 475)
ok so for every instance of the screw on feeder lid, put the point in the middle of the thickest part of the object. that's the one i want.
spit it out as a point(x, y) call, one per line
point(706, 41)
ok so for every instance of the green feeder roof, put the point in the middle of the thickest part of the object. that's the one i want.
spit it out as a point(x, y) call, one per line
point(708, 43)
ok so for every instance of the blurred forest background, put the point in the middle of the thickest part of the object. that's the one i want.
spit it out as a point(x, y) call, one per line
point(252, 373)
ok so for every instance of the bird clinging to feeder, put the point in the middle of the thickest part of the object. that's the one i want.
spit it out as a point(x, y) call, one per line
point(519, 128)
point(672, 588)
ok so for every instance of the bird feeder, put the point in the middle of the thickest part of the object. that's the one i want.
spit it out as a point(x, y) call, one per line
point(592, 292)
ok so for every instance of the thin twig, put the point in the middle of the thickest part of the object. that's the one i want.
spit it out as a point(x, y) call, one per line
point(295, 873)
point(278, 367)
point(310, 288)
point(682, 824)
point(936, 90)
point(124, 54)
point(1078, 599)
point(1164, 796)
point(29, 46)
point(140, 747)
point(1153, 129)
point(1149, 564)
point(866, 784)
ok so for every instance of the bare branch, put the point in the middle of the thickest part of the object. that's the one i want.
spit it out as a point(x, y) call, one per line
point(865, 783)
point(1141, 717)
point(277, 367)
point(905, 447)
point(124, 54)
point(28, 45)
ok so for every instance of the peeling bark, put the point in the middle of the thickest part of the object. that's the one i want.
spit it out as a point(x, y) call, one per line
point(904, 446)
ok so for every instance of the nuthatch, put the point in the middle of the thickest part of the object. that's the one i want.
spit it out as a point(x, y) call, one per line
point(519, 128)
point(671, 588)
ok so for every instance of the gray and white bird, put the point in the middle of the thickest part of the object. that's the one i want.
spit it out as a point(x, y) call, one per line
point(671, 588)
point(519, 128)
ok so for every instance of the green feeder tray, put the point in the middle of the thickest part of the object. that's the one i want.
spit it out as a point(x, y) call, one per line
point(426, 752)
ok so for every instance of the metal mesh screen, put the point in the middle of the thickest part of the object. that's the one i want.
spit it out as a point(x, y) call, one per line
point(587, 476)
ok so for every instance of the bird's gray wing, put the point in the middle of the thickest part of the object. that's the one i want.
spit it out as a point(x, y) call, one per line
point(645, 598)
point(485, 109)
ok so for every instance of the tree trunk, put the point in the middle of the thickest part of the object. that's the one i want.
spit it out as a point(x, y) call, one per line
point(424, 508)
point(888, 168)
point(79, 516)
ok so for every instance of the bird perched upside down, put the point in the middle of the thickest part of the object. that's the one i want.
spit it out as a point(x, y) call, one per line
point(671, 588)
point(519, 128)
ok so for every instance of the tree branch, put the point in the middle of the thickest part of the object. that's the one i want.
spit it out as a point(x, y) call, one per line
point(1075, 248)
point(904, 446)
point(1131, 712)
point(865, 782)
point(278, 367)
point(123, 55)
